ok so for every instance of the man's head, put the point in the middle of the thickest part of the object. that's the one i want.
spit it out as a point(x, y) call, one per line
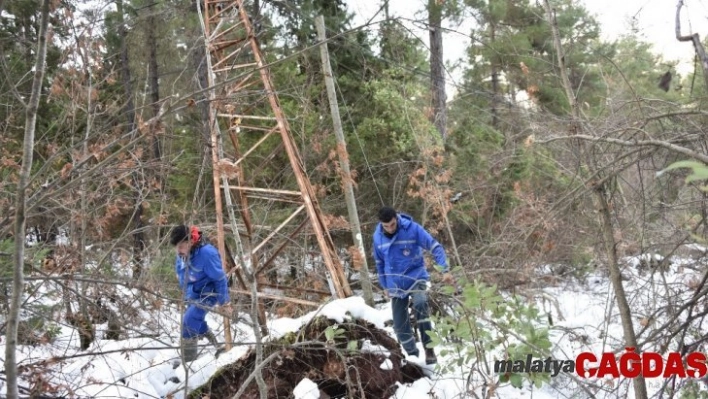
point(388, 219)
point(179, 238)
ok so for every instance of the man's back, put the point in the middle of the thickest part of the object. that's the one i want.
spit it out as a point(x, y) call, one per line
point(203, 272)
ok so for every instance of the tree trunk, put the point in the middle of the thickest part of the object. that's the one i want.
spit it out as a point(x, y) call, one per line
point(138, 234)
point(129, 107)
point(347, 179)
point(437, 67)
point(202, 82)
point(605, 217)
point(153, 78)
point(156, 126)
point(256, 17)
point(27, 155)
point(495, 80)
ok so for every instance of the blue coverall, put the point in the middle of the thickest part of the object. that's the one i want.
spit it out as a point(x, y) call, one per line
point(206, 286)
point(401, 271)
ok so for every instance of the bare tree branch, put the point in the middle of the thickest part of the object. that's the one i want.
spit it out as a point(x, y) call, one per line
point(13, 317)
point(697, 45)
point(643, 143)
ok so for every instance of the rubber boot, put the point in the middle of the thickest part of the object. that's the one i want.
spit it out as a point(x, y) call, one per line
point(209, 335)
point(430, 357)
point(190, 349)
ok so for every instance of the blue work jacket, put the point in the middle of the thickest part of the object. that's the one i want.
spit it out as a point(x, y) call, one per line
point(399, 259)
point(204, 276)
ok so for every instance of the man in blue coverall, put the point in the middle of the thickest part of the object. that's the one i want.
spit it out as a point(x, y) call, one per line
point(204, 284)
point(398, 250)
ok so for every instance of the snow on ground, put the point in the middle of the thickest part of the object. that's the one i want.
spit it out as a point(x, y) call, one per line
point(306, 389)
point(584, 314)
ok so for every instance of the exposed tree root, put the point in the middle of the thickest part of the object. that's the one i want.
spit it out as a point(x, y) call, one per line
point(333, 366)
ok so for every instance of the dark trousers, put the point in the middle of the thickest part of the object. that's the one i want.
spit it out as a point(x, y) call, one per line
point(402, 322)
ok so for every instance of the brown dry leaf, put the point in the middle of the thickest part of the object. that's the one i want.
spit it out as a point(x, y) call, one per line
point(335, 222)
point(317, 147)
point(52, 148)
point(288, 353)
point(97, 151)
point(9, 163)
point(357, 259)
point(66, 170)
point(334, 370)
point(162, 220)
point(320, 190)
point(548, 246)
point(342, 150)
point(491, 389)
point(524, 68)
point(56, 88)
point(228, 168)
point(693, 283)
point(644, 322)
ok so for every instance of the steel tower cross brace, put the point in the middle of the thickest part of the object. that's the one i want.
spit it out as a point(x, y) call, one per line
point(274, 203)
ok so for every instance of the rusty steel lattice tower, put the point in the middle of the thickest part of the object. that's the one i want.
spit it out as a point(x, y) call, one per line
point(251, 141)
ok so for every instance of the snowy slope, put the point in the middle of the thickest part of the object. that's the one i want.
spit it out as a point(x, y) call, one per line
point(144, 367)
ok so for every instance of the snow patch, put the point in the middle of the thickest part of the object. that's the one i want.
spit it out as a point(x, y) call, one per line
point(356, 307)
point(306, 389)
point(368, 347)
point(416, 390)
point(696, 247)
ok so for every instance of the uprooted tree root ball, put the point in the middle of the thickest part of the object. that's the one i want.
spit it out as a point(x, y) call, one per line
point(333, 359)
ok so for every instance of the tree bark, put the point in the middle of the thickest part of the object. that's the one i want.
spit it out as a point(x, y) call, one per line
point(202, 82)
point(437, 68)
point(344, 162)
point(138, 234)
point(572, 101)
point(256, 15)
point(495, 79)
point(153, 78)
point(605, 216)
point(20, 222)
point(155, 127)
point(697, 45)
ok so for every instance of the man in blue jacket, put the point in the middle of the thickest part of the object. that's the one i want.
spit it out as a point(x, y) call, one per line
point(398, 250)
point(204, 284)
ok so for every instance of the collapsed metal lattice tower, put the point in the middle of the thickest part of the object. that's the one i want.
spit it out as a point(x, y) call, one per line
point(251, 141)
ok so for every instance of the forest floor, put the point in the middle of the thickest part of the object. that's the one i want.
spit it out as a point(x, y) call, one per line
point(347, 346)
